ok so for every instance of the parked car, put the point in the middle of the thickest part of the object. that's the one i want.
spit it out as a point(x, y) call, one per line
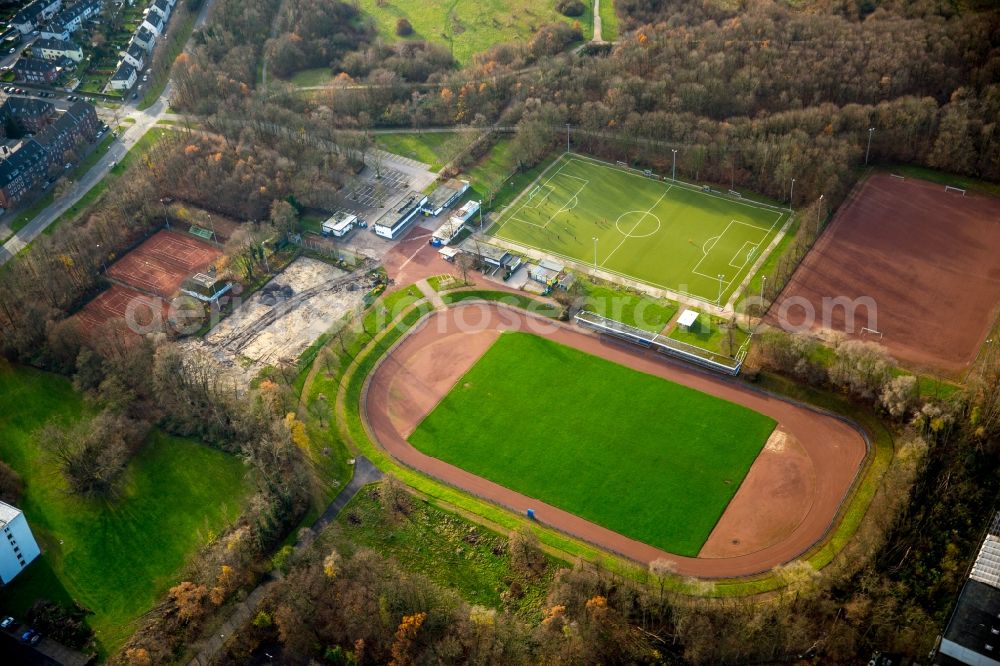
point(7, 621)
point(26, 636)
point(36, 639)
point(12, 51)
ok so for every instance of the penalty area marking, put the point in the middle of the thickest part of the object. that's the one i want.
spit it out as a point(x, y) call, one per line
point(549, 189)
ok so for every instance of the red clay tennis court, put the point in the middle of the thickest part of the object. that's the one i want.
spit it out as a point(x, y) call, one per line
point(120, 302)
point(161, 264)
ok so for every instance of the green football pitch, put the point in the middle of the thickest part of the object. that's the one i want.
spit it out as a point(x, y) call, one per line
point(645, 457)
point(668, 235)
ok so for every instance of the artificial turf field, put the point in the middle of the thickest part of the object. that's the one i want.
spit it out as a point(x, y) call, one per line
point(650, 459)
point(668, 235)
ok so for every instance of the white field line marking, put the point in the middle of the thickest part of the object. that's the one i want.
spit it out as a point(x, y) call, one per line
point(515, 216)
point(746, 255)
point(680, 184)
point(695, 270)
point(648, 212)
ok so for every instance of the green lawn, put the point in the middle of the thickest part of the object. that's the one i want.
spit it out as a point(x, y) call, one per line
point(433, 148)
point(668, 235)
point(446, 548)
point(466, 26)
point(609, 21)
point(649, 314)
point(318, 76)
point(115, 558)
point(645, 457)
point(712, 333)
point(497, 174)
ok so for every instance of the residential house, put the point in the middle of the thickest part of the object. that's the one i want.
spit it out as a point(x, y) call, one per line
point(20, 171)
point(47, 151)
point(56, 31)
point(124, 78)
point(135, 55)
point(55, 49)
point(144, 38)
point(79, 124)
point(26, 115)
point(163, 8)
point(34, 13)
point(154, 23)
point(17, 545)
point(35, 70)
point(72, 18)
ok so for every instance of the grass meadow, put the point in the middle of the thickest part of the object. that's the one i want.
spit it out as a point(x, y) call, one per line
point(468, 27)
point(115, 558)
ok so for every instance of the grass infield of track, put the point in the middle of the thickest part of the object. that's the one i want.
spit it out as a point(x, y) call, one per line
point(650, 459)
point(669, 235)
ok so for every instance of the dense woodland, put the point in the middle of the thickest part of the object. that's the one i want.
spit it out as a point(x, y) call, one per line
point(752, 97)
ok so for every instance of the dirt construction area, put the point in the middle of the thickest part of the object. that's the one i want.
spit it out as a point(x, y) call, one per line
point(927, 259)
point(789, 499)
point(162, 263)
point(277, 323)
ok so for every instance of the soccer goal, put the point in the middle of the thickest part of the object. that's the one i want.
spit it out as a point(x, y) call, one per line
point(958, 190)
point(871, 331)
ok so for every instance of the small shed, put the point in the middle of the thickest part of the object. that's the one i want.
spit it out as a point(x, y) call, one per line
point(468, 209)
point(339, 225)
point(205, 287)
point(449, 253)
point(687, 319)
point(445, 195)
point(447, 231)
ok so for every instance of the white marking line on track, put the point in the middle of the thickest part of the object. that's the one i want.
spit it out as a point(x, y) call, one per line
point(648, 212)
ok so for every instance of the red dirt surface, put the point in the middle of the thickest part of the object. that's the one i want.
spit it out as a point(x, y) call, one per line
point(119, 302)
point(789, 514)
point(928, 259)
point(161, 264)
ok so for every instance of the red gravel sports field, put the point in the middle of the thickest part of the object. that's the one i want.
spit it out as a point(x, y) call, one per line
point(927, 257)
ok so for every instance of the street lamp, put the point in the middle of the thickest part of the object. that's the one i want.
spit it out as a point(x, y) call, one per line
point(819, 207)
point(791, 194)
point(567, 137)
point(166, 219)
point(595, 253)
point(674, 174)
point(871, 130)
point(718, 301)
point(103, 265)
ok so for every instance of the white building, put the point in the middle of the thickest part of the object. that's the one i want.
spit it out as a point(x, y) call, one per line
point(17, 545)
point(154, 23)
point(339, 225)
point(135, 55)
point(144, 38)
point(468, 209)
point(447, 231)
point(124, 78)
point(54, 49)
